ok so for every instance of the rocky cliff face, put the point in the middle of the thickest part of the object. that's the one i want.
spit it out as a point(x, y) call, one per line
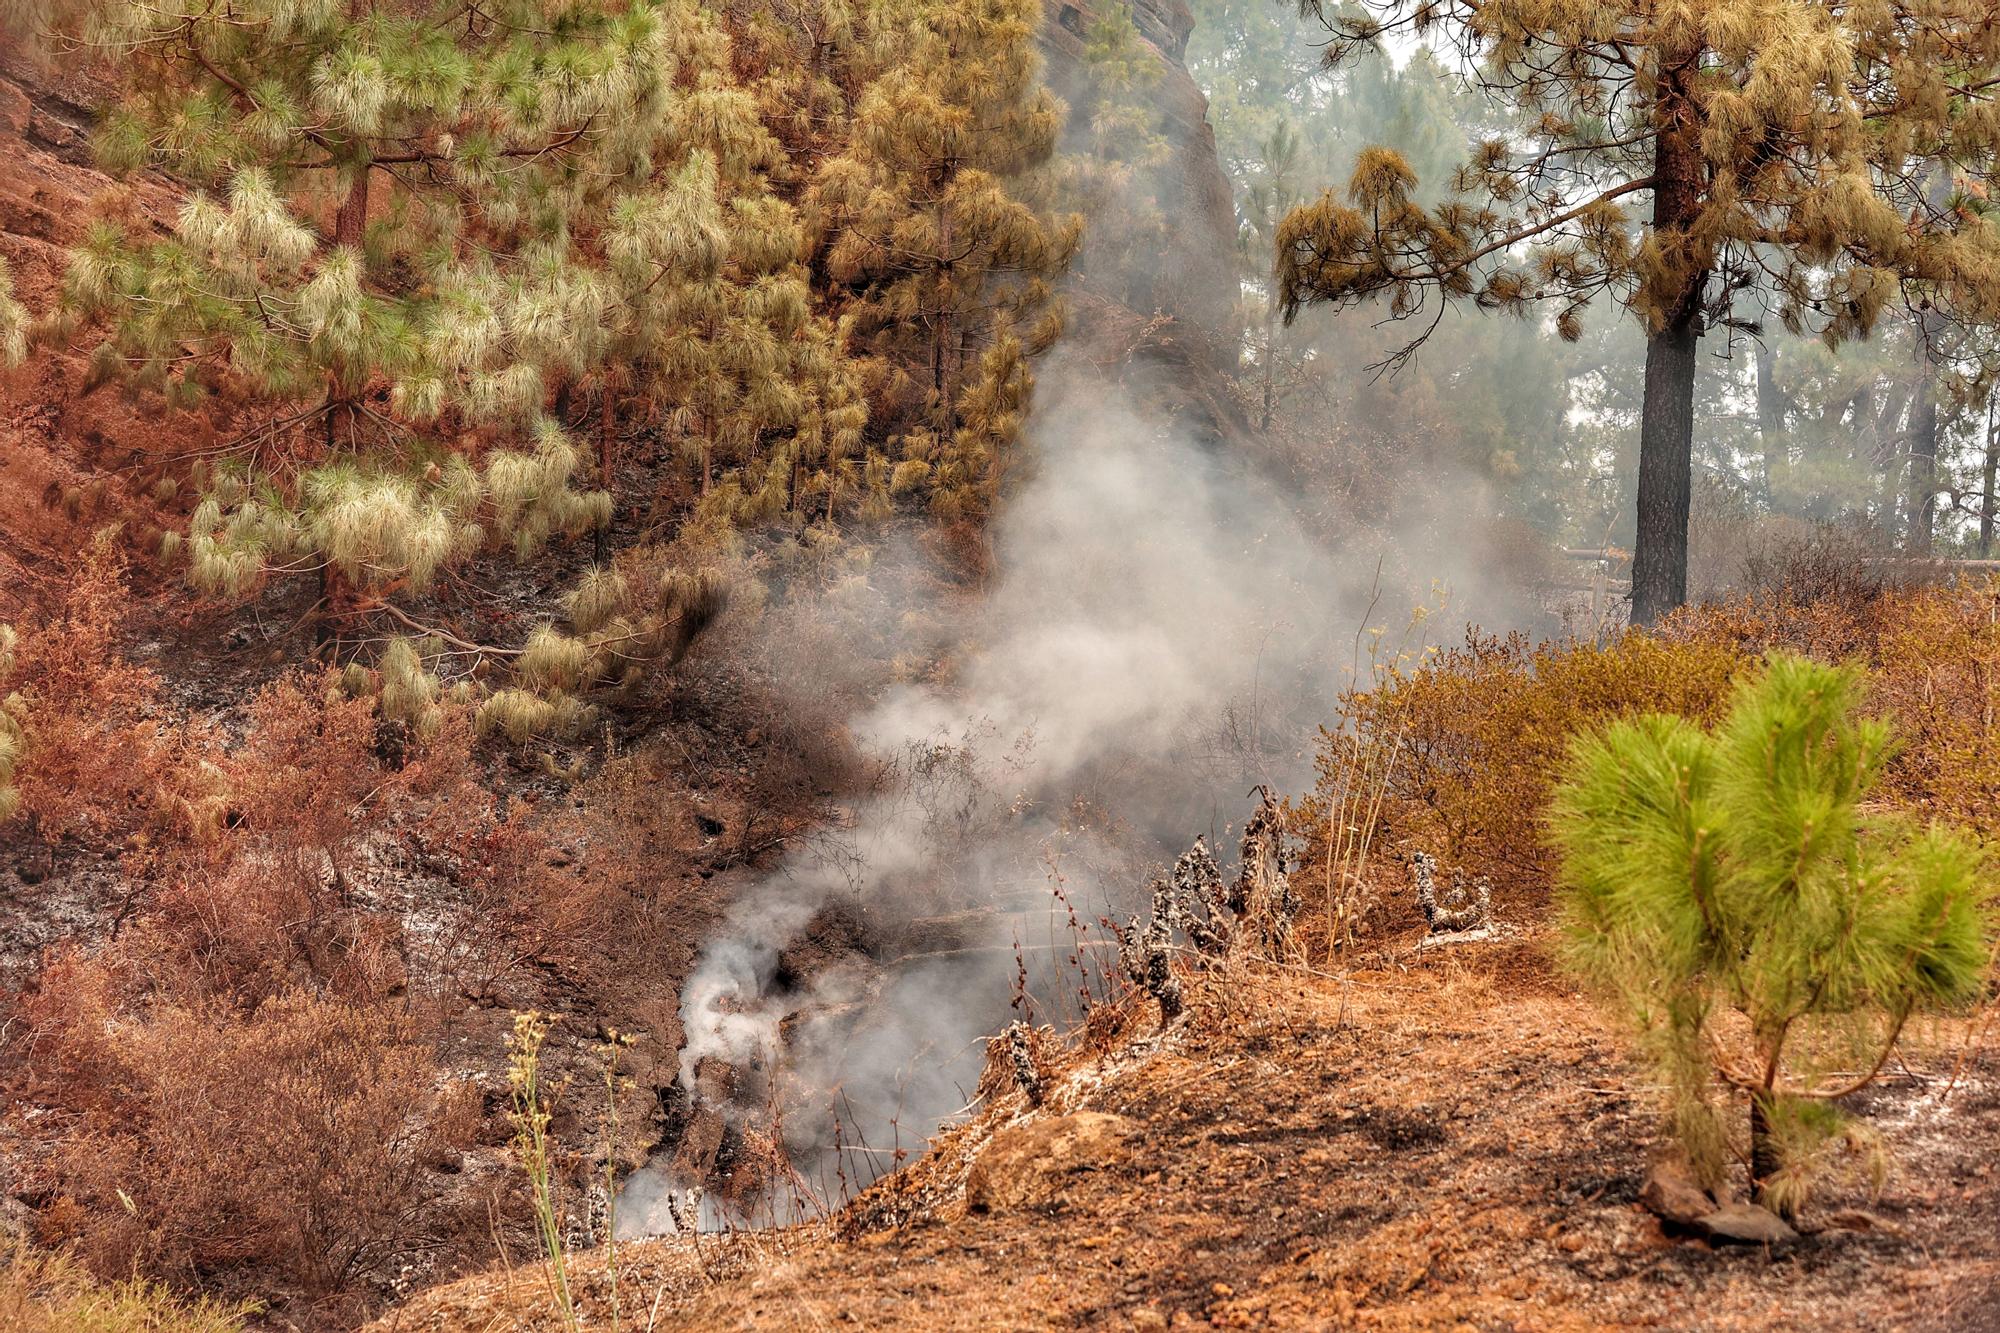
point(1191, 278)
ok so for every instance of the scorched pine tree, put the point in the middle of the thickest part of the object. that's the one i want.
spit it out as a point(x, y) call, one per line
point(948, 265)
point(1762, 931)
point(1788, 152)
point(378, 191)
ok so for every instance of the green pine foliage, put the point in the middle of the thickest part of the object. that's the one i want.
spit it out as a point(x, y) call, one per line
point(1766, 934)
point(376, 196)
point(622, 629)
point(796, 244)
point(449, 265)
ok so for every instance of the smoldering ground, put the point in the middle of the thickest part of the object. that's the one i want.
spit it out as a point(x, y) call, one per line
point(1162, 636)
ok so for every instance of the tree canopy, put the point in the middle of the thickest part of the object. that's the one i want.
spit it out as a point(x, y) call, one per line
point(1813, 164)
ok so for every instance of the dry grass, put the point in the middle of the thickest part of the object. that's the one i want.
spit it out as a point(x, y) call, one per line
point(49, 1293)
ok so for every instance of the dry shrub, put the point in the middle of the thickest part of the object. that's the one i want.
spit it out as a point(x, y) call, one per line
point(1936, 673)
point(291, 1139)
point(1468, 744)
point(238, 1081)
point(1471, 739)
point(258, 850)
point(526, 903)
point(1846, 565)
point(1933, 655)
point(91, 755)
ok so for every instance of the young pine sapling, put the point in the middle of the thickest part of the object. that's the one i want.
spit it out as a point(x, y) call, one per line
point(1766, 934)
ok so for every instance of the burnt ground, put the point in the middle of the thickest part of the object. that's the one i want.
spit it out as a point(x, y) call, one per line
point(1451, 1141)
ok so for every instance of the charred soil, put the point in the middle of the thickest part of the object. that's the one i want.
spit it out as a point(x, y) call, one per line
point(1448, 1141)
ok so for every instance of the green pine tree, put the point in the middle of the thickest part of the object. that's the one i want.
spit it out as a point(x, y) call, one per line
point(1788, 155)
point(380, 195)
point(1763, 933)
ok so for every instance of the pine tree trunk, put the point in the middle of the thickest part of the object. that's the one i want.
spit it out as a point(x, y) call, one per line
point(350, 227)
point(1666, 424)
point(1923, 470)
point(606, 444)
point(1763, 1150)
point(1666, 471)
point(1923, 448)
point(1270, 359)
point(1986, 486)
point(1770, 420)
point(350, 221)
point(944, 330)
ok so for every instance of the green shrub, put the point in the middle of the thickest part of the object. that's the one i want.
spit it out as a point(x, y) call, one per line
point(1765, 935)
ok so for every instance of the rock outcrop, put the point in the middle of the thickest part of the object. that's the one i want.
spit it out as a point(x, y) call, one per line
point(1191, 280)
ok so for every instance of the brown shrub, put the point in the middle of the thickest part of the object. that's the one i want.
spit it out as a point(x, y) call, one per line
point(1933, 655)
point(237, 1080)
point(291, 1138)
point(256, 852)
point(1469, 741)
point(1467, 745)
point(91, 756)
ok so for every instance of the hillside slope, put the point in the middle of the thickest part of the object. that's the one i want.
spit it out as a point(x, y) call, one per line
point(1448, 1140)
point(67, 458)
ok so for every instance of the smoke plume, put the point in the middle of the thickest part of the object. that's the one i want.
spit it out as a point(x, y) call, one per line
point(1162, 635)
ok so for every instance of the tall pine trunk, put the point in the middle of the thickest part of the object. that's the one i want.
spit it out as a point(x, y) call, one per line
point(1923, 443)
point(1270, 361)
point(1770, 421)
point(1666, 423)
point(1986, 486)
point(1923, 469)
point(350, 227)
point(607, 444)
point(1666, 471)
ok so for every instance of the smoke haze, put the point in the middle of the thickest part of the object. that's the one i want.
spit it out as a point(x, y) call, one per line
point(1162, 635)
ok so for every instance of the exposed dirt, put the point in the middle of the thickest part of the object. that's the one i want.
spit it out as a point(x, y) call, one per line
point(1453, 1141)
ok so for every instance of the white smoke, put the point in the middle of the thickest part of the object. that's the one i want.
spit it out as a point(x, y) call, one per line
point(1163, 635)
point(1145, 582)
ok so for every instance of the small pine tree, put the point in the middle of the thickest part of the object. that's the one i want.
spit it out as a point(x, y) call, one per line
point(1729, 896)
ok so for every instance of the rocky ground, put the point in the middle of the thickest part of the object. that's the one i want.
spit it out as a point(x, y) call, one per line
point(1450, 1139)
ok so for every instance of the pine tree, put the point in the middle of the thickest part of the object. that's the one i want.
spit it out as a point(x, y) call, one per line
point(1785, 151)
point(1114, 155)
point(922, 221)
point(706, 320)
point(380, 197)
point(1733, 899)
